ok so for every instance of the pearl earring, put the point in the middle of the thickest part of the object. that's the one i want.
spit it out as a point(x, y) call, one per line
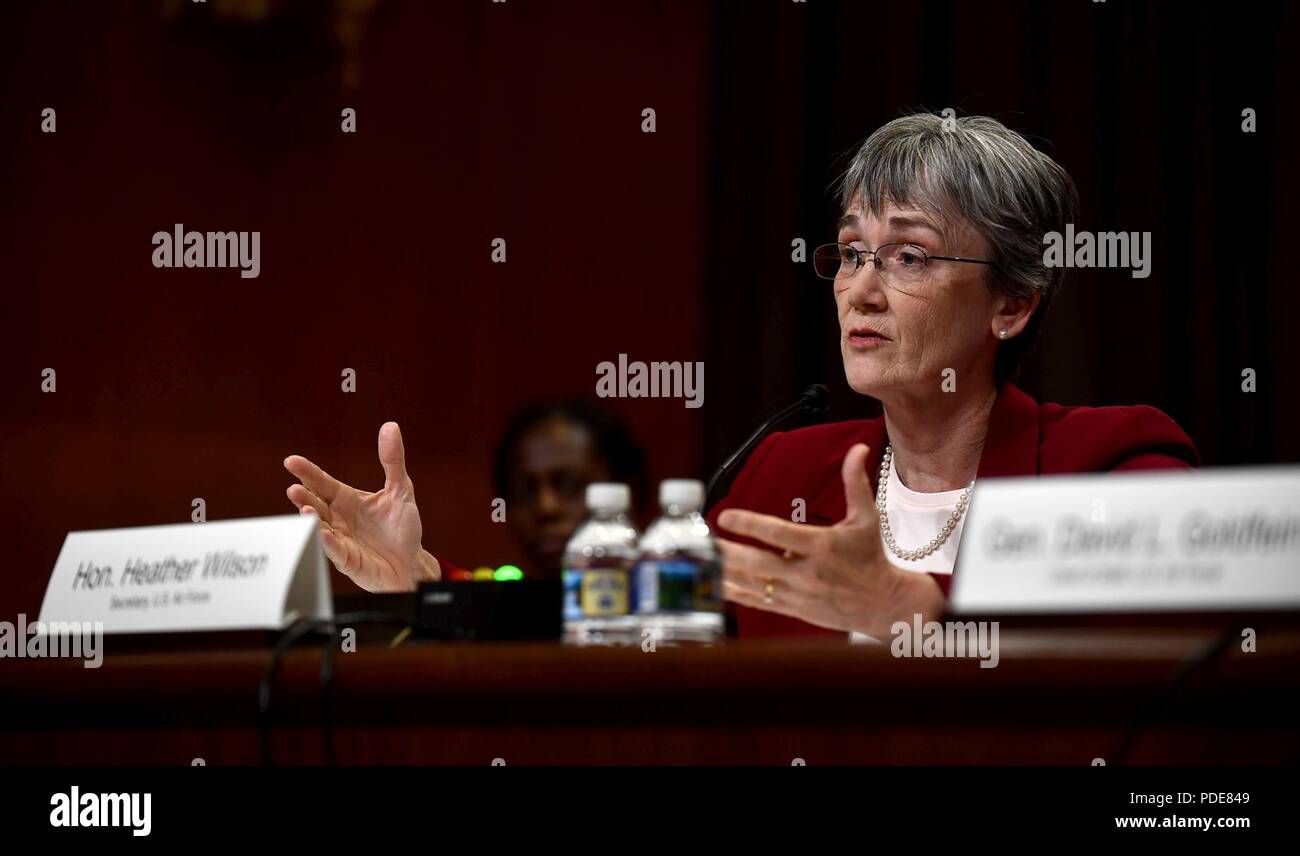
point(1002, 334)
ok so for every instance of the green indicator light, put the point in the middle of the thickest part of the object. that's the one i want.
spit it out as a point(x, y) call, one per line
point(508, 572)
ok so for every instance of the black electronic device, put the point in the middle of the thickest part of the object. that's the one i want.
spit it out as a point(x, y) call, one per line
point(514, 610)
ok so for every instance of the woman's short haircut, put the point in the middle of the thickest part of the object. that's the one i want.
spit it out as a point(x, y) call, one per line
point(977, 170)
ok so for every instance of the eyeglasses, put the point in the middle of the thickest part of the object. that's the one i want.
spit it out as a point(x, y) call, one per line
point(896, 263)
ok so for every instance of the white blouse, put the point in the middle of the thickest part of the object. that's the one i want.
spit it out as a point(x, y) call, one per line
point(915, 518)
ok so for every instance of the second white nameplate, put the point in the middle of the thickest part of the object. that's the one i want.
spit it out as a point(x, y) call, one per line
point(1201, 541)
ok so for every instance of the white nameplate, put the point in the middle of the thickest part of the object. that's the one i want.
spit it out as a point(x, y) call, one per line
point(1195, 541)
point(254, 574)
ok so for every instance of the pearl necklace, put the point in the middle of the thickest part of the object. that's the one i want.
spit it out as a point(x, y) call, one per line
point(934, 543)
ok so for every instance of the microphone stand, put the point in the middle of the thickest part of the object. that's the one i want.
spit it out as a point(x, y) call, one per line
point(814, 401)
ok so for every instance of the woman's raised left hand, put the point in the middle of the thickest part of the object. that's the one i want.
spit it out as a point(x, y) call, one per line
point(832, 576)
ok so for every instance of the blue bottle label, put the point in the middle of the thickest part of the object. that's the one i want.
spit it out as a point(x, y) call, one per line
point(682, 585)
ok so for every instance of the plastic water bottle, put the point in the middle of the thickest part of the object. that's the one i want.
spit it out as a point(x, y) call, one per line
point(599, 595)
point(678, 572)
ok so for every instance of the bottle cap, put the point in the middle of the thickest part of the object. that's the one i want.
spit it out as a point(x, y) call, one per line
point(608, 497)
point(686, 494)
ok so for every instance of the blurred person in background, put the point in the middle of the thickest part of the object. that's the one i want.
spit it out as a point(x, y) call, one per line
point(545, 459)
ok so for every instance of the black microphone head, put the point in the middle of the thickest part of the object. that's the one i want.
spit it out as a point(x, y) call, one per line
point(816, 399)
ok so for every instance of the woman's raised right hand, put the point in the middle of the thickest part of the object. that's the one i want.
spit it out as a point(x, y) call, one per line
point(373, 538)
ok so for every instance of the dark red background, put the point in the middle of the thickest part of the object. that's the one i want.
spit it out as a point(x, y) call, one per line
point(474, 122)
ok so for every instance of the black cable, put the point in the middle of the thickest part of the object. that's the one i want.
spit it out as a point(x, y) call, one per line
point(297, 630)
point(326, 691)
point(328, 750)
point(1161, 700)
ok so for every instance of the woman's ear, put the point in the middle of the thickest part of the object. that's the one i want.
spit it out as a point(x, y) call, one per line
point(1012, 314)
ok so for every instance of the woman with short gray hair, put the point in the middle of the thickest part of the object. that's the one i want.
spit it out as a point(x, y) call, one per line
point(973, 170)
point(940, 284)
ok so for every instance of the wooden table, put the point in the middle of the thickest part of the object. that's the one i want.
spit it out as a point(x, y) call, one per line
point(1056, 697)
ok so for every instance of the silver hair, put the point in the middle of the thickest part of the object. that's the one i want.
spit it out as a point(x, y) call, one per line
point(978, 171)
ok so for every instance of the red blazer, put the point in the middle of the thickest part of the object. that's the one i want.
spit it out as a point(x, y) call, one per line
point(1024, 438)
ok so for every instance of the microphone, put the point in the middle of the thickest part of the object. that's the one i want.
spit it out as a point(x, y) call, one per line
point(815, 401)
